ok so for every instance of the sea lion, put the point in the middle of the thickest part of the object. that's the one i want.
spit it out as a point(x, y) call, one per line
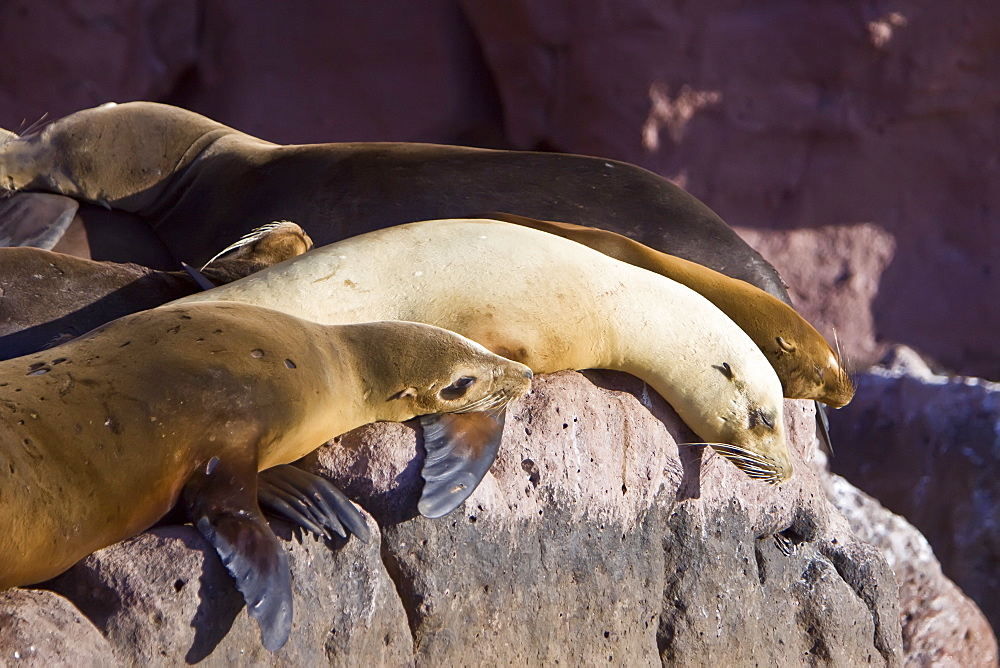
point(552, 304)
point(103, 435)
point(196, 181)
point(807, 366)
point(48, 298)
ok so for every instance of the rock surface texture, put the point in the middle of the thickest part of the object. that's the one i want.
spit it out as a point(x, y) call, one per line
point(938, 439)
point(594, 536)
point(941, 627)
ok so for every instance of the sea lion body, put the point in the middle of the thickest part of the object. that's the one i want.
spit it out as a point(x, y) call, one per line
point(99, 436)
point(807, 366)
point(48, 297)
point(549, 303)
point(196, 181)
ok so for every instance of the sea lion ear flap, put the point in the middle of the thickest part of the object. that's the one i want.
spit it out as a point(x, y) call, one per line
point(402, 394)
point(460, 447)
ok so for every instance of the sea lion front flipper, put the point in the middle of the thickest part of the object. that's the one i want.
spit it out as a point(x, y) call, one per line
point(460, 447)
point(221, 502)
point(823, 428)
point(311, 501)
point(35, 219)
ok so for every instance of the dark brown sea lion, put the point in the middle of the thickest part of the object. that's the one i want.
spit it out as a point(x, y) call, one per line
point(196, 181)
point(103, 435)
point(47, 297)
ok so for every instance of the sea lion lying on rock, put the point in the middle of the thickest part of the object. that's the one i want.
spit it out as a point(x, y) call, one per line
point(101, 436)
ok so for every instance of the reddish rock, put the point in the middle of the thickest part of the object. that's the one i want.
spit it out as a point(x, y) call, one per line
point(833, 275)
point(61, 56)
point(343, 72)
point(39, 628)
point(164, 597)
point(595, 535)
point(790, 115)
point(927, 446)
point(941, 625)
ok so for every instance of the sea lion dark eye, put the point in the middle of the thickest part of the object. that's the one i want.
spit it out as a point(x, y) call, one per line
point(457, 389)
point(759, 416)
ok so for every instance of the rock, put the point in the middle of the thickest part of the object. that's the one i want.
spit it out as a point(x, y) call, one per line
point(928, 448)
point(61, 57)
point(164, 597)
point(789, 115)
point(941, 626)
point(833, 275)
point(39, 628)
point(314, 76)
point(596, 535)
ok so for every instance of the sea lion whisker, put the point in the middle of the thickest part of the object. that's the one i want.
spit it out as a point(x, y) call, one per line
point(490, 402)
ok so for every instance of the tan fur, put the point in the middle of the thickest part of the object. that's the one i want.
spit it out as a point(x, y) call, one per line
point(98, 436)
point(805, 363)
point(548, 302)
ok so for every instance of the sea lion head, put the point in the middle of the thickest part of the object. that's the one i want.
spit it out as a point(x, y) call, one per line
point(808, 367)
point(263, 247)
point(752, 430)
point(415, 369)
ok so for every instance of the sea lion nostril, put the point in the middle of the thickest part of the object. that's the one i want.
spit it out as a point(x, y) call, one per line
point(528, 374)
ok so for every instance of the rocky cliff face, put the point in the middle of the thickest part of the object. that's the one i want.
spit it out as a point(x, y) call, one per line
point(595, 537)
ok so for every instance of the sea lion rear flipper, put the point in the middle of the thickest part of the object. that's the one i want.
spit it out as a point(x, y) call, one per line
point(460, 447)
point(311, 501)
point(221, 502)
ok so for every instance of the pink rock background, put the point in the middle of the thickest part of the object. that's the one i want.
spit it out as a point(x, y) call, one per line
point(787, 115)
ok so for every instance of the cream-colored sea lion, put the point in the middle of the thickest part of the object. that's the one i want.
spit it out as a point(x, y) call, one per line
point(48, 297)
point(196, 181)
point(103, 435)
point(552, 304)
point(807, 366)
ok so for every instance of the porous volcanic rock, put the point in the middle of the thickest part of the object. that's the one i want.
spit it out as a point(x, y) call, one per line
point(43, 629)
point(941, 625)
point(927, 446)
point(595, 535)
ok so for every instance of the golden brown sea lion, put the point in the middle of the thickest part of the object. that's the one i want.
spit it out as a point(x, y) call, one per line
point(48, 298)
point(196, 181)
point(103, 435)
point(807, 366)
point(552, 304)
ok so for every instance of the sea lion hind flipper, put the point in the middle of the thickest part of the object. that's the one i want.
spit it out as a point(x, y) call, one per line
point(311, 501)
point(225, 511)
point(460, 447)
